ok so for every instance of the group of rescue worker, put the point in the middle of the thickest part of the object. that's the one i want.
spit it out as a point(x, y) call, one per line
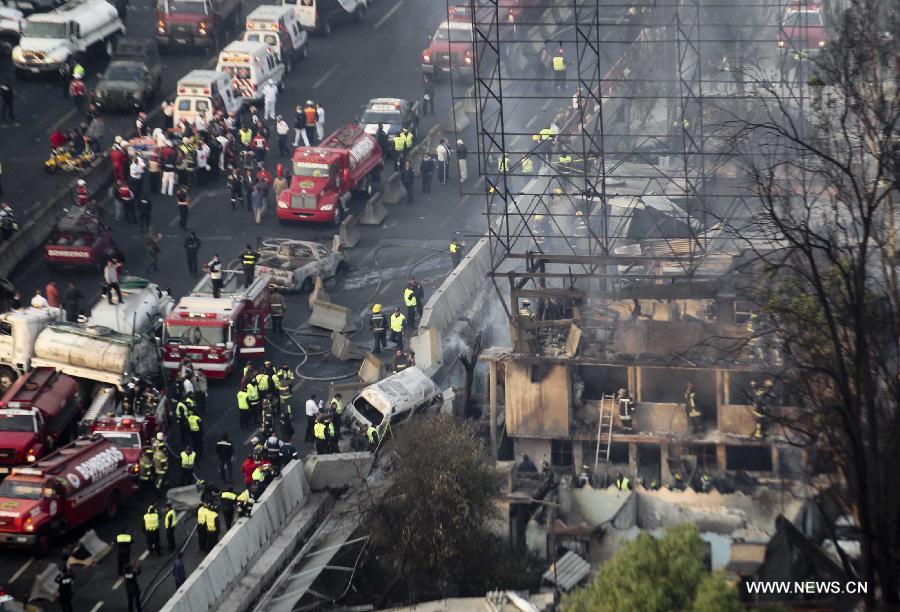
point(414, 300)
point(264, 398)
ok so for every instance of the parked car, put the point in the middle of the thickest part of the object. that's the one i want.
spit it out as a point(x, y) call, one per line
point(133, 78)
point(393, 114)
point(294, 264)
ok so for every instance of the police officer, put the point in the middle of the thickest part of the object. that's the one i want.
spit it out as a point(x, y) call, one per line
point(123, 551)
point(249, 259)
point(202, 531)
point(320, 434)
point(132, 588)
point(264, 380)
point(181, 415)
point(243, 405)
point(188, 458)
point(66, 581)
point(212, 528)
point(456, 249)
point(409, 298)
point(170, 519)
point(225, 455)
point(397, 322)
point(244, 503)
point(559, 68)
point(151, 529)
point(195, 424)
point(378, 327)
point(331, 443)
point(229, 500)
point(372, 437)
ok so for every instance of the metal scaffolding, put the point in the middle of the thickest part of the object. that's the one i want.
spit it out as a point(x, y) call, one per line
point(636, 176)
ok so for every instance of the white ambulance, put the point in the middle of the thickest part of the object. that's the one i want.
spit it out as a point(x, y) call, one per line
point(204, 92)
point(250, 65)
point(278, 27)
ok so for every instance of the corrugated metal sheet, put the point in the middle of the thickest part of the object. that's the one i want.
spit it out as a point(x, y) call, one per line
point(570, 571)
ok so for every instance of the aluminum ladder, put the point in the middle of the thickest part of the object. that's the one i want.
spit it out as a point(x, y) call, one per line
point(604, 431)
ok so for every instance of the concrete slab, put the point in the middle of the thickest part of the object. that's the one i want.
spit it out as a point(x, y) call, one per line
point(184, 498)
point(337, 470)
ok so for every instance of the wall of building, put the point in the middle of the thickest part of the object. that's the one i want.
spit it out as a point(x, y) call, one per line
point(536, 449)
point(541, 408)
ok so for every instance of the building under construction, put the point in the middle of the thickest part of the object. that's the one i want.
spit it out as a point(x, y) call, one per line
point(611, 192)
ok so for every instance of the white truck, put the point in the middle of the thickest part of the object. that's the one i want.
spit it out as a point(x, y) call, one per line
point(142, 311)
point(395, 399)
point(12, 22)
point(54, 41)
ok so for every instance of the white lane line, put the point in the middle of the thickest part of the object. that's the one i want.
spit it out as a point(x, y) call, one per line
point(22, 569)
point(144, 555)
point(546, 104)
point(325, 76)
point(531, 121)
point(192, 205)
point(462, 201)
point(387, 15)
point(62, 120)
point(117, 584)
point(97, 606)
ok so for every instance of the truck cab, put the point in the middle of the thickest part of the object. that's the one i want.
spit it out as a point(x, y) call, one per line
point(451, 50)
point(37, 414)
point(130, 434)
point(18, 331)
point(79, 240)
point(325, 176)
point(196, 23)
point(803, 29)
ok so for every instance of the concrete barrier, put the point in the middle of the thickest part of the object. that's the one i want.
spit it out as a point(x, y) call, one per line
point(89, 550)
point(375, 212)
point(349, 232)
point(372, 369)
point(243, 544)
point(44, 586)
point(344, 349)
point(331, 316)
point(394, 192)
point(457, 116)
point(337, 470)
point(317, 293)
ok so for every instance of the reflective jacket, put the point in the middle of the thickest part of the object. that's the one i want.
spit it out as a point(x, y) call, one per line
point(397, 321)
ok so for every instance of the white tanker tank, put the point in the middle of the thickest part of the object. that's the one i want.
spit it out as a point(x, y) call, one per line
point(97, 353)
point(143, 308)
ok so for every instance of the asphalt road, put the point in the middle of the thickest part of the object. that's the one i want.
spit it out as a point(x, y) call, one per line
point(358, 62)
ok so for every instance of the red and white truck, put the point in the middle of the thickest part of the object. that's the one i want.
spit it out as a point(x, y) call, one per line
point(131, 433)
point(325, 176)
point(37, 414)
point(62, 491)
point(211, 332)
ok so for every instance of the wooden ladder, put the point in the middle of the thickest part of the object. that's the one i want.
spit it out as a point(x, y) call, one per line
point(604, 431)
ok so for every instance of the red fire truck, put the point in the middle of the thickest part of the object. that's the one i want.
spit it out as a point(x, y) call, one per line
point(62, 491)
point(39, 412)
point(325, 176)
point(211, 332)
point(131, 434)
point(452, 46)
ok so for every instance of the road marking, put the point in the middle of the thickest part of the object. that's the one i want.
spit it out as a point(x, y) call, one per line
point(325, 76)
point(22, 569)
point(463, 201)
point(144, 555)
point(97, 606)
point(387, 15)
point(546, 104)
point(62, 120)
point(117, 584)
point(531, 121)
point(192, 205)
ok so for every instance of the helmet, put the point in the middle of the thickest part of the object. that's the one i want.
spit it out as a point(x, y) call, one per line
point(160, 435)
point(526, 302)
point(81, 183)
point(309, 102)
point(376, 308)
point(539, 217)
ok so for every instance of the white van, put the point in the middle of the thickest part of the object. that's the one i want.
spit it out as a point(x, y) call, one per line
point(250, 65)
point(204, 91)
point(277, 26)
point(395, 399)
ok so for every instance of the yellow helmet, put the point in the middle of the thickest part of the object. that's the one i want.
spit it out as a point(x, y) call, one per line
point(578, 213)
point(376, 308)
point(539, 217)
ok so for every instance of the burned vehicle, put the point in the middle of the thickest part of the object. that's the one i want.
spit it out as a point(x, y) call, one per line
point(294, 264)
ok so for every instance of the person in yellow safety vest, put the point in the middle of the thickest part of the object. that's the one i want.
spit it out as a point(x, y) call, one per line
point(169, 522)
point(244, 503)
point(397, 321)
point(408, 136)
point(410, 300)
point(229, 499)
point(456, 249)
point(212, 528)
point(264, 380)
point(195, 424)
point(253, 398)
point(123, 551)
point(372, 436)
point(151, 529)
point(246, 136)
point(337, 410)
point(145, 467)
point(559, 68)
point(503, 164)
point(243, 406)
point(202, 534)
point(160, 467)
point(285, 384)
point(527, 165)
point(320, 435)
point(564, 158)
point(622, 483)
point(188, 457)
point(544, 134)
point(181, 415)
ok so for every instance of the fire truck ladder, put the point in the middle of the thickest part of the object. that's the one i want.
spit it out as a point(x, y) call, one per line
point(604, 432)
point(103, 403)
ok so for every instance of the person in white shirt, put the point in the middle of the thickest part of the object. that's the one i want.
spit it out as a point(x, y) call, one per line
point(443, 158)
point(187, 386)
point(312, 410)
point(203, 162)
point(111, 278)
point(270, 96)
point(136, 176)
point(39, 301)
point(282, 129)
point(320, 122)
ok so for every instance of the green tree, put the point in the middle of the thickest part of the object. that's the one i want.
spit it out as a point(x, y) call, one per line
point(650, 574)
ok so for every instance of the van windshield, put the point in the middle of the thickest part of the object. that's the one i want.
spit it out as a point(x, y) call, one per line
point(187, 6)
point(122, 439)
point(236, 72)
point(17, 422)
point(20, 490)
point(382, 117)
point(41, 29)
point(367, 411)
point(195, 335)
point(201, 105)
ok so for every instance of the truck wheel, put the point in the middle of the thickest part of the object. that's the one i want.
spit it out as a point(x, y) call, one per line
point(112, 505)
point(21, 75)
point(7, 377)
point(42, 543)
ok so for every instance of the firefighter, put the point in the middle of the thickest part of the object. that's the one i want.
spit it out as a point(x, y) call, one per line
point(212, 528)
point(690, 408)
point(170, 519)
point(202, 533)
point(277, 308)
point(253, 397)
point(65, 579)
point(151, 529)
point(559, 68)
point(527, 165)
point(123, 551)
point(626, 409)
point(228, 499)
point(249, 259)
point(243, 406)
point(160, 466)
point(244, 503)
point(525, 311)
point(195, 424)
point(284, 382)
point(760, 396)
point(400, 361)
point(267, 418)
point(456, 250)
point(372, 437)
point(337, 412)
point(622, 482)
point(397, 322)
point(188, 457)
point(411, 301)
point(273, 453)
point(145, 468)
point(377, 325)
point(264, 380)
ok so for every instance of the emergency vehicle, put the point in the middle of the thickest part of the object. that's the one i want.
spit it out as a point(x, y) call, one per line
point(803, 29)
point(322, 15)
point(325, 176)
point(250, 65)
point(196, 23)
point(278, 27)
point(204, 92)
point(37, 414)
point(392, 114)
point(79, 240)
point(452, 47)
point(130, 433)
point(211, 332)
point(63, 491)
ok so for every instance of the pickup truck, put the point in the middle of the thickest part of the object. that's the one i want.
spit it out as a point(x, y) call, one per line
point(197, 23)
